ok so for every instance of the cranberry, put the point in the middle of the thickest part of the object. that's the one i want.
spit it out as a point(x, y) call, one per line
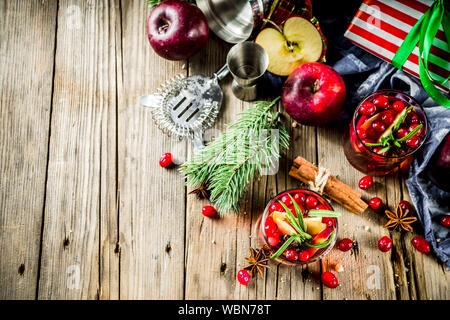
point(299, 198)
point(276, 206)
point(371, 133)
point(243, 277)
point(321, 207)
point(366, 182)
point(413, 142)
point(378, 126)
point(445, 221)
point(377, 151)
point(329, 280)
point(311, 202)
point(209, 211)
point(291, 255)
point(274, 240)
point(387, 118)
point(381, 102)
point(366, 141)
point(165, 160)
point(412, 127)
point(367, 108)
point(412, 118)
point(405, 205)
point(398, 106)
point(328, 221)
point(361, 133)
point(421, 244)
point(385, 244)
point(286, 200)
point(270, 228)
point(375, 203)
point(303, 256)
point(401, 133)
point(345, 244)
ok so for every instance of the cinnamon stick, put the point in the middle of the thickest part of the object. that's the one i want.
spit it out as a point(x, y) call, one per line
point(305, 171)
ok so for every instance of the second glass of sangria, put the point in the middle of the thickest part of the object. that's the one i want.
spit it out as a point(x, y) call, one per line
point(388, 127)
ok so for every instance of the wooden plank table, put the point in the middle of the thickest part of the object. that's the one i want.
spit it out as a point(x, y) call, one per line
point(87, 213)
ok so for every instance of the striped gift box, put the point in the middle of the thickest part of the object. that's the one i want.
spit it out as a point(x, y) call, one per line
point(380, 26)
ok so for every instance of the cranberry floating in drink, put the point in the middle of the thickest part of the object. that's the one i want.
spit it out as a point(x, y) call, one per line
point(387, 128)
point(299, 226)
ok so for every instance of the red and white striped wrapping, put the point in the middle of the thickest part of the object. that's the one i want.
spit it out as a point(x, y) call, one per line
point(380, 26)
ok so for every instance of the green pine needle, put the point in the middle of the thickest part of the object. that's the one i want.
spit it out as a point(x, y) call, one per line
point(154, 3)
point(228, 164)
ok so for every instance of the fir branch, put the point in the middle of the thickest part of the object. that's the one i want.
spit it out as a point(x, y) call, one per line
point(228, 164)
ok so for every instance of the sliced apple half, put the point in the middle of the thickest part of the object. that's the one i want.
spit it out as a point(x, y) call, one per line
point(283, 225)
point(314, 225)
point(299, 42)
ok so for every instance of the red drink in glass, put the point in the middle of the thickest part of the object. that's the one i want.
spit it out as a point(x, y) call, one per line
point(387, 128)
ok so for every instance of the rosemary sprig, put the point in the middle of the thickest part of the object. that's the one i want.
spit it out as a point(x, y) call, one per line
point(299, 212)
point(324, 213)
point(154, 3)
point(321, 245)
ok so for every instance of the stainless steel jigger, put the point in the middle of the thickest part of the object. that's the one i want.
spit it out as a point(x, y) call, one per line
point(247, 62)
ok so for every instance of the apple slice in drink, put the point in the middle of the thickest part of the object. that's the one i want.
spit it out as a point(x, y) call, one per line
point(314, 225)
point(299, 42)
point(283, 225)
point(318, 239)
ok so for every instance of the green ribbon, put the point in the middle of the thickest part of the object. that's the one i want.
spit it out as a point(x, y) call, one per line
point(423, 32)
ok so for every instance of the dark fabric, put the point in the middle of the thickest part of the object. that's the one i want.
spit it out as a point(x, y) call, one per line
point(364, 74)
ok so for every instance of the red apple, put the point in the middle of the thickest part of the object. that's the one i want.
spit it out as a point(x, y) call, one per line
point(177, 29)
point(313, 94)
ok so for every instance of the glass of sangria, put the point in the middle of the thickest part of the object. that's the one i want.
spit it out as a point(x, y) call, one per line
point(299, 226)
point(388, 127)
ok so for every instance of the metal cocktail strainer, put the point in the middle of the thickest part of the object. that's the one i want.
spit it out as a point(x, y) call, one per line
point(186, 107)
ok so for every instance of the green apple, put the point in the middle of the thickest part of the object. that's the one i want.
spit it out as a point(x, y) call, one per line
point(297, 43)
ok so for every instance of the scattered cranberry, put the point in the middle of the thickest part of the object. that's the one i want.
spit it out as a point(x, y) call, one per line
point(401, 133)
point(405, 205)
point(270, 228)
point(387, 118)
point(243, 277)
point(375, 203)
point(209, 211)
point(412, 127)
point(165, 160)
point(367, 108)
point(329, 280)
point(276, 207)
point(303, 256)
point(311, 202)
point(421, 244)
point(345, 244)
point(398, 106)
point(286, 200)
point(299, 198)
point(385, 244)
point(381, 102)
point(378, 126)
point(361, 133)
point(413, 142)
point(445, 221)
point(366, 182)
point(328, 221)
point(291, 255)
point(274, 240)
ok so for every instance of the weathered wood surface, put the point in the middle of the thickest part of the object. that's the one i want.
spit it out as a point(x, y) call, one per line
point(87, 213)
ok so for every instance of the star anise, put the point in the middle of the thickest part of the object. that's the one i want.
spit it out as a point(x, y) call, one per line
point(201, 192)
point(399, 219)
point(258, 261)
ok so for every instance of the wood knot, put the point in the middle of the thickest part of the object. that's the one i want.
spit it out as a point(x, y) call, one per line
point(168, 248)
point(117, 248)
point(21, 269)
point(223, 267)
point(66, 243)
